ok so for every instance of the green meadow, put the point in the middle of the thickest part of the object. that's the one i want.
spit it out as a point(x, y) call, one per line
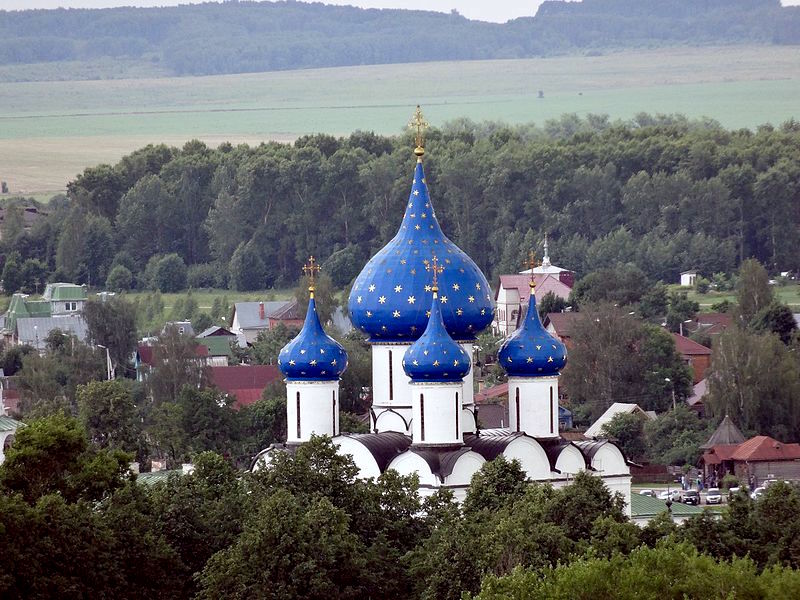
point(51, 130)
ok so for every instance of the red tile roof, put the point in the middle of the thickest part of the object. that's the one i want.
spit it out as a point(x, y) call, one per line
point(544, 283)
point(496, 391)
point(687, 347)
point(717, 454)
point(245, 382)
point(763, 448)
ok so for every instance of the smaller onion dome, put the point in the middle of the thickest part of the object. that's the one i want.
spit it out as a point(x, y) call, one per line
point(531, 351)
point(435, 356)
point(312, 355)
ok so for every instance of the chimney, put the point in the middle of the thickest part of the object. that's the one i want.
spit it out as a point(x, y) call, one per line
point(261, 314)
point(158, 465)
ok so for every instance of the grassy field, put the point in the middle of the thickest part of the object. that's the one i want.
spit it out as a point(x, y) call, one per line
point(788, 294)
point(51, 130)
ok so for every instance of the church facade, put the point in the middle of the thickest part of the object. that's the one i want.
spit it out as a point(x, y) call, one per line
point(421, 301)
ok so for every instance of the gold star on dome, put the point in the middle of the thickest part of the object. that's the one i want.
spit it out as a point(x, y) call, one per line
point(358, 299)
point(382, 299)
point(383, 327)
point(415, 362)
point(371, 288)
point(509, 359)
point(456, 287)
point(477, 286)
point(322, 372)
point(411, 299)
point(530, 360)
point(417, 227)
point(302, 351)
point(402, 261)
point(459, 312)
point(313, 363)
point(322, 350)
point(443, 299)
point(483, 311)
point(471, 298)
point(333, 362)
point(423, 215)
point(427, 313)
point(369, 313)
point(455, 363)
point(425, 352)
point(549, 359)
point(413, 328)
point(413, 271)
point(396, 314)
point(291, 362)
point(416, 192)
point(398, 289)
point(412, 215)
point(428, 288)
point(554, 347)
point(538, 347)
point(436, 363)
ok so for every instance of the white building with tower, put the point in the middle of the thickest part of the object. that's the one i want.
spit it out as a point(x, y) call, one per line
point(421, 301)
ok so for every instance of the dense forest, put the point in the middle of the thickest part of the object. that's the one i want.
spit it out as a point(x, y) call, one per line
point(237, 37)
point(661, 193)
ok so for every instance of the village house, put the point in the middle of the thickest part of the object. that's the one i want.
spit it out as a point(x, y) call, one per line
point(251, 318)
point(244, 383)
point(695, 355)
point(618, 408)
point(30, 321)
point(689, 278)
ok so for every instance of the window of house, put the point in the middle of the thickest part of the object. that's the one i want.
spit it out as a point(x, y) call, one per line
point(70, 306)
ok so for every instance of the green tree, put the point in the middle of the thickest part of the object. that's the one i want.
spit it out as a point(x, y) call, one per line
point(12, 273)
point(247, 271)
point(755, 379)
point(624, 285)
point(170, 274)
point(675, 437)
point(52, 455)
point(269, 343)
point(680, 310)
point(33, 275)
point(120, 279)
point(497, 483)
point(627, 429)
point(175, 365)
point(550, 303)
point(776, 318)
point(108, 413)
point(324, 294)
point(343, 265)
point(13, 224)
point(112, 323)
point(753, 292)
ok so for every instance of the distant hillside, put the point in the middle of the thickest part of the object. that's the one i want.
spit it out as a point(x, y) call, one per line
point(237, 37)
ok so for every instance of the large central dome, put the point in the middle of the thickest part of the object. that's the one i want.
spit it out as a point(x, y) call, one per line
point(391, 297)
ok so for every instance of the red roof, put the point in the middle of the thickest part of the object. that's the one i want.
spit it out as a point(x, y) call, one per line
point(245, 382)
point(562, 322)
point(717, 454)
point(762, 448)
point(687, 347)
point(496, 391)
point(544, 283)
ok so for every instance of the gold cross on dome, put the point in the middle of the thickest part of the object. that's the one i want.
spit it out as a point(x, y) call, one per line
point(532, 263)
point(419, 125)
point(437, 270)
point(310, 269)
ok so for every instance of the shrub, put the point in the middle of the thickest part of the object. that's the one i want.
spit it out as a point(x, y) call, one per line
point(119, 279)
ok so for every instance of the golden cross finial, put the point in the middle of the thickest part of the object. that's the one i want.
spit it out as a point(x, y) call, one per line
point(310, 269)
point(419, 124)
point(531, 263)
point(437, 270)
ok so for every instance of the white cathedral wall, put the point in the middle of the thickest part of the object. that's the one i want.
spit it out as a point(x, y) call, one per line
point(436, 416)
point(312, 407)
point(363, 459)
point(468, 403)
point(533, 406)
point(390, 387)
point(531, 457)
point(409, 463)
point(570, 461)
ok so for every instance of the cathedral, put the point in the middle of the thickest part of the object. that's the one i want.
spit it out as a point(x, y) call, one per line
point(421, 301)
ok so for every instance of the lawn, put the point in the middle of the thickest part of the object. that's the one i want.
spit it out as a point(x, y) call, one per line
point(51, 130)
point(788, 294)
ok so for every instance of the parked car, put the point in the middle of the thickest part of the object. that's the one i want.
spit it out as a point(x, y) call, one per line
point(758, 492)
point(713, 496)
point(691, 497)
point(674, 495)
point(733, 491)
point(650, 493)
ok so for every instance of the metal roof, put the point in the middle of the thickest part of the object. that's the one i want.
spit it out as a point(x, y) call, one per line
point(156, 476)
point(490, 443)
point(383, 446)
point(726, 434)
point(249, 313)
point(647, 506)
point(34, 330)
point(9, 424)
point(58, 292)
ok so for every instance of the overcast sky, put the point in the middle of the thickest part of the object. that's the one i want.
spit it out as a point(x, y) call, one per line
point(485, 10)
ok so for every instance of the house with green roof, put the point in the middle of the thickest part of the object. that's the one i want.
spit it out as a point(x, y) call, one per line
point(64, 298)
point(645, 508)
point(30, 320)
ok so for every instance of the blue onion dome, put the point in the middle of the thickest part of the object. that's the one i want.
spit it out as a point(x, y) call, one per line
point(312, 355)
point(390, 297)
point(531, 351)
point(435, 356)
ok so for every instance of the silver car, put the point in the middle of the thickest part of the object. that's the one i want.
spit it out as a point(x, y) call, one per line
point(713, 496)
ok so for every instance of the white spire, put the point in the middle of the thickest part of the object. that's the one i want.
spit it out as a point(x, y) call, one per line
point(546, 257)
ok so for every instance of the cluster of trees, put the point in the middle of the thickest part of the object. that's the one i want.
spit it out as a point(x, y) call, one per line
point(74, 519)
point(243, 37)
point(659, 193)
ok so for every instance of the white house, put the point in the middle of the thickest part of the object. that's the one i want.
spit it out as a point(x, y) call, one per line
point(688, 278)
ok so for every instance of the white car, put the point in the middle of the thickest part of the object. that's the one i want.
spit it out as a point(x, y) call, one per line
point(674, 495)
point(713, 496)
point(650, 493)
point(758, 492)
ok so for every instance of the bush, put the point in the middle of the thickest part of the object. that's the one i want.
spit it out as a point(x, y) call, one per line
point(170, 274)
point(729, 481)
point(203, 276)
point(702, 285)
point(120, 279)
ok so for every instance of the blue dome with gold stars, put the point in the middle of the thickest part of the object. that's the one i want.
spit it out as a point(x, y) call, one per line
point(312, 355)
point(435, 356)
point(390, 297)
point(531, 351)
